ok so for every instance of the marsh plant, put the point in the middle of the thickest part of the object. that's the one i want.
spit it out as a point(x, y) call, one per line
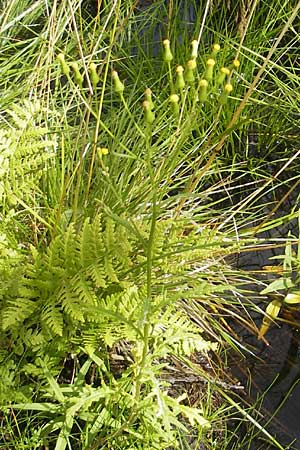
point(109, 280)
point(116, 191)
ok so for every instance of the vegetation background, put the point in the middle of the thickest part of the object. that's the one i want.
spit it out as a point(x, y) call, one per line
point(129, 188)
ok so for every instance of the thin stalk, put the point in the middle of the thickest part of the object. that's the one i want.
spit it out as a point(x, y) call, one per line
point(115, 8)
point(131, 116)
point(259, 190)
point(146, 328)
point(251, 419)
point(203, 20)
point(172, 88)
point(241, 106)
point(149, 253)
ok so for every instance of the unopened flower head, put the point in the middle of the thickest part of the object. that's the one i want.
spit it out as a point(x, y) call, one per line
point(191, 64)
point(74, 66)
point(203, 90)
point(102, 151)
point(210, 62)
point(174, 98)
point(118, 85)
point(64, 66)
point(236, 63)
point(224, 72)
point(61, 57)
point(149, 115)
point(148, 97)
point(194, 53)
point(180, 83)
point(224, 96)
point(228, 88)
point(189, 73)
point(216, 48)
point(167, 51)
point(94, 76)
point(203, 83)
point(77, 75)
point(209, 69)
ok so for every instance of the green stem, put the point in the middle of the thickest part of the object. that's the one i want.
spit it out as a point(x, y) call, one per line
point(99, 108)
point(172, 88)
point(147, 302)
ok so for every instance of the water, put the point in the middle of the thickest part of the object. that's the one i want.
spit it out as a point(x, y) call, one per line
point(273, 374)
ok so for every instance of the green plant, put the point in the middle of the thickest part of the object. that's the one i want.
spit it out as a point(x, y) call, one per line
point(80, 296)
point(114, 235)
point(289, 282)
point(26, 154)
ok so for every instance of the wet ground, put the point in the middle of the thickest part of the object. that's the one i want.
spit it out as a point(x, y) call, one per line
point(273, 380)
point(272, 373)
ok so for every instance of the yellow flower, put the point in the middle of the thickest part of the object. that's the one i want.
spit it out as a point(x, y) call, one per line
point(102, 151)
point(228, 88)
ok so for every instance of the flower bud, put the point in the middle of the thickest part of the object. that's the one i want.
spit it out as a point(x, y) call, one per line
point(78, 78)
point(222, 74)
point(148, 97)
point(235, 64)
point(167, 52)
point(226, 91)
point(102, 151)
point(118, 85)
point(209, 69)
point(174, 99)
point(203, 90)
point(149, 114)
point(64, 66)
point(215, 49)
point(94, 76)
point(228, 88)
point(189, 73)
point(194, 53)
point(180, 83)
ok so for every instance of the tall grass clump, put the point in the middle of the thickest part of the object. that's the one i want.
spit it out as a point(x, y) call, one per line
point(121, 202)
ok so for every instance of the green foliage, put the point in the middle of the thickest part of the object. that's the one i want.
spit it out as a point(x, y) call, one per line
point(111, 413)
point(118, 296)
point(60, 285)
point(289, 282)
point(87, 294)
point(25, 150)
